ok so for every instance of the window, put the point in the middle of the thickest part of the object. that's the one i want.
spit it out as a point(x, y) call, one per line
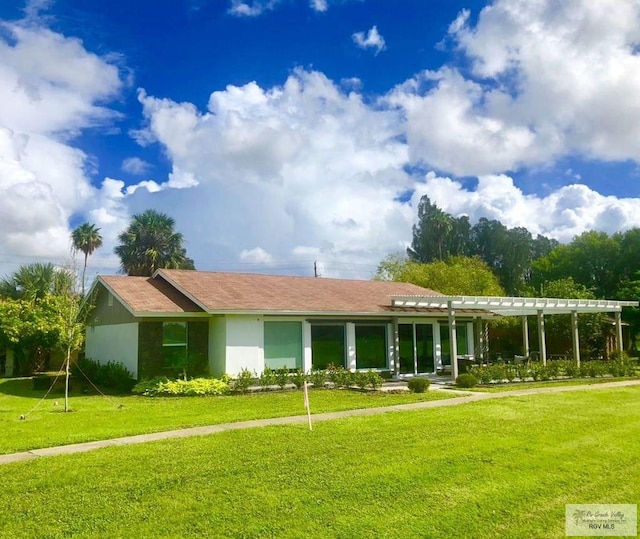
point(327, 345)
point(283, 345)
point(174, 343)
point(371, 346)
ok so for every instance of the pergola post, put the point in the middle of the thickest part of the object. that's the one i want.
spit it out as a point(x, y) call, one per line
point(479, 337)
point(541, 337)
point(396, 347)
point(453, 340)
point(619, 342)
point(575, 336)
point(525, 337)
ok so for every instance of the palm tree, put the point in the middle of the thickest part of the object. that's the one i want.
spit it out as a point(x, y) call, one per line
point(86, 238)
point(150, 243)
point(32, 282)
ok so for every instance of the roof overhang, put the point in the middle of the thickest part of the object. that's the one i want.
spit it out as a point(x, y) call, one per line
point(511, 306)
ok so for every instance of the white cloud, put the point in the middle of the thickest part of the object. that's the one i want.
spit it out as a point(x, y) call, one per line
point(369, 40)
point(256, 255)
point(304, 164)
point(50, 89)
point(136, 166)
point(319, 5)
point(547, 80)
point(252, 8)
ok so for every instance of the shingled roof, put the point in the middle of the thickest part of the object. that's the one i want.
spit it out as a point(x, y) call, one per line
point(183, 291)
point(148, 295)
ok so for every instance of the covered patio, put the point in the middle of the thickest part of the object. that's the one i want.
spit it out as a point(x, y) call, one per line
point(485, 308)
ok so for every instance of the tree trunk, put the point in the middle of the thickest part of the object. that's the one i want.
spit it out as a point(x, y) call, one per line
point(66, 385)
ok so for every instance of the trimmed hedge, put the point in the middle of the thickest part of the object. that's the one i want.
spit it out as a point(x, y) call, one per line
point(466, 380)
point(418, 385)
point(554, 369)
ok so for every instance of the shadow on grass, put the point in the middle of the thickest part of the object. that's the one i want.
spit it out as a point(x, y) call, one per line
point(24, 387)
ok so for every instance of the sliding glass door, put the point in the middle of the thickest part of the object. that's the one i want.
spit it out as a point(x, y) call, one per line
point(416, 348)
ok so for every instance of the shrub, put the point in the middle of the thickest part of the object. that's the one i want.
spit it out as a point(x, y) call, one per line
point(318, 377)
point(418, 385)
point(148, 388)
point(361, 379)
point(114, 375)
point(466, 380)
point(243, 382)
point(298, 377)
point(282, 377)
point(110, 375)
point(498, 372)
point(535, 371)
point(84, 368)
point(333, 374)
point(375, 380)
point(544, 373)
point(340, 376)
point(554, 368)
point(509, 373)
point(182, 388)
point(572, 370)
point(267, 378)
point(522, 371)
point(482, 373)
point(596, 368)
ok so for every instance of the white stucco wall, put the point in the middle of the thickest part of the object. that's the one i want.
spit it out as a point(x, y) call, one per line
point(118, 342)
point(245, 344)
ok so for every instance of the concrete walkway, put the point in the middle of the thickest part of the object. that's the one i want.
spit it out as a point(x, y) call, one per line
point(463, 398)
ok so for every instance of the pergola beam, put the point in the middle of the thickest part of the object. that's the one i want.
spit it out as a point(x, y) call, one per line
point(512, 306)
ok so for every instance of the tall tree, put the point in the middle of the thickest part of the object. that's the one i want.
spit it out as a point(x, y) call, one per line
point(591, 260)
point(86, 238)
point(150, 243)
point(438, 235)
point(32, 282)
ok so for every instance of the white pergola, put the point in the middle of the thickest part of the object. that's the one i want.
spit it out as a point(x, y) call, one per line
point(489, 307)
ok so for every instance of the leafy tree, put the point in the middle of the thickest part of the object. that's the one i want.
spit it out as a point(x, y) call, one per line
point(29, 328)
point(86, 238)
point(150, 243)
point(456, 276)
point(437, 235)
point(507, 252)
point(591, 260)
point(32, 282)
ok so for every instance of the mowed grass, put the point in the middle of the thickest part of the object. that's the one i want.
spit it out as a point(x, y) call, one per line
point(95, 417)
point(500, 468)
point(514, 386)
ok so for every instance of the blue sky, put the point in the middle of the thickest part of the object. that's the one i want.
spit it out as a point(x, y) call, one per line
point(282, 132)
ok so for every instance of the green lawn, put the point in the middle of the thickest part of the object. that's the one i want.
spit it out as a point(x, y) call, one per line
point(513, 386)
point(96, 418)
point(490, 469)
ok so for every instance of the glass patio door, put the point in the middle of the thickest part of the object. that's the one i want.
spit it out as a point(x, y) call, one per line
point(416, 348)
point(424, 348)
